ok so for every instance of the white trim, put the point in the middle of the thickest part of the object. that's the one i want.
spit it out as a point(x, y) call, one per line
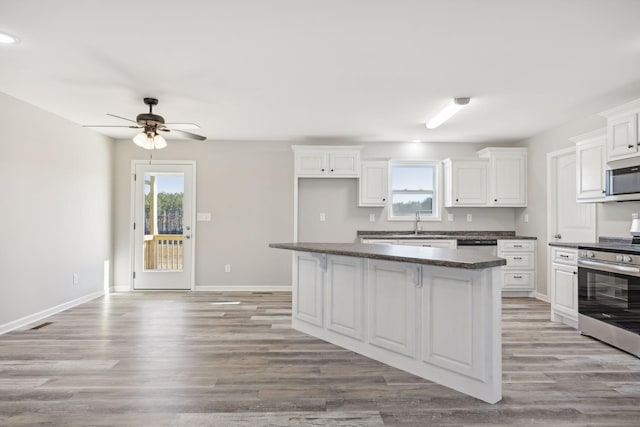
point(541, 297)
point(214, 288)
point(588, 136)
point(23, 321)
point(194, 221)
point(629, 107)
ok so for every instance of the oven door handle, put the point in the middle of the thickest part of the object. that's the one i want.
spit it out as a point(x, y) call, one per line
point(611, 268)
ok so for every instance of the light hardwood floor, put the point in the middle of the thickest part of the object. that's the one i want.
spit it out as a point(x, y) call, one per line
point(176, 359)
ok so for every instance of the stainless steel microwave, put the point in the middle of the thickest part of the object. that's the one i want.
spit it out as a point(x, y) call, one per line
point(623, 184)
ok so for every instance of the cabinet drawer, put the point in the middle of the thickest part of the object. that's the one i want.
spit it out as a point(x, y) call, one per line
point(518, 280)
point(516, 245)
point(519, 261)
point(564, 256)
point(379, 241)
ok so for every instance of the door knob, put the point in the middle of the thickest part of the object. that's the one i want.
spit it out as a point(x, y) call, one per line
point(557, 236)
point(187, 236)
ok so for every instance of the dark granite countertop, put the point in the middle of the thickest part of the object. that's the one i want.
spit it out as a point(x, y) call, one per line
point(453, 235)
point(413, 254)
point(606, 244)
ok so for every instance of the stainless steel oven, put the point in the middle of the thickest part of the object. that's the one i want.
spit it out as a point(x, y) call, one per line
point(609, 298)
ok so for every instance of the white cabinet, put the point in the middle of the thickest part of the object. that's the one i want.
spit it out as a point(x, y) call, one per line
point(622, 131)
point(590, 166)
point(507, 176)
point(322, 161)
point(307, 304)
point(519, 275)
point(466, 182)
point(374, 183)
point(563, 275)
point(345, 296)
point(392, 305)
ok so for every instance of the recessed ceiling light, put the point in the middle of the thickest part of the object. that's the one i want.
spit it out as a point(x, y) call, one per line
point(8, 38)
point(451, 108)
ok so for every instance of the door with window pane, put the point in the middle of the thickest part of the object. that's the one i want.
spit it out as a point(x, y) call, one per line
point(163, 232)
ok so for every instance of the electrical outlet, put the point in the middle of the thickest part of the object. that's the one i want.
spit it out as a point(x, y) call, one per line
point(227, 268)
point(372, 217)
point(75, 278)
point(526, 217)
point(323, 216)
point(469, 217)
point(204, 216)
point(450, 217)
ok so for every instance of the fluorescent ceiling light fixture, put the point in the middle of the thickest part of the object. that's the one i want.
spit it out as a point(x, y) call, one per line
point(225, 303)
point(8, 38)
point(416, 140)
point(447, 112)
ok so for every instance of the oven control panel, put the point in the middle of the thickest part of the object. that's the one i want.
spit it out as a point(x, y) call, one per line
point(587, 254)
point(624, 259)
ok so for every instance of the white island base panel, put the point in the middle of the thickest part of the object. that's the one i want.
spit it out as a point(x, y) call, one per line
point(439, 323)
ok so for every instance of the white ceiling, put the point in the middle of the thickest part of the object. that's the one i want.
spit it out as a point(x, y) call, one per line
point(362, 70)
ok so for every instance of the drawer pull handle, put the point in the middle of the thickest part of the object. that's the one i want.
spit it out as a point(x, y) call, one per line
point(517, 246)
point(517, 257)
point(517, 277)
point(564, 256)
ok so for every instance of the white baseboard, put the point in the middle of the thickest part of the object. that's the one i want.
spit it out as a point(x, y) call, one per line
point(542, 297)
point(243, 288)
point(121, 288)
point(48, 312)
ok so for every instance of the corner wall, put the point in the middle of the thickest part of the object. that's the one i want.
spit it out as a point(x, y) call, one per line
point(55, 181)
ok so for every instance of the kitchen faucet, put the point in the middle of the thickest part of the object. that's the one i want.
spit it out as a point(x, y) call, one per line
point(415, 227)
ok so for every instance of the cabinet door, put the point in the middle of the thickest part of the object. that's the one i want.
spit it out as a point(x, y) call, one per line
point(564, 289)
point(311, 163)
point(307, 298)
point(622, 136)
point(392, 305)
point(469, 183)
point(509, 179)
point(374, 182)
point(345, 295)
point(344, 163)
point(590, 161)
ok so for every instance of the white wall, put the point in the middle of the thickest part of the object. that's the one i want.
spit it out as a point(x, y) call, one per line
point(613, 219)
point(248, 189)
point(338, 199)
point(55, 181)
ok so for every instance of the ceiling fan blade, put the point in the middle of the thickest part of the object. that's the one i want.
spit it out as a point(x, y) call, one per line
point(189, 134)
point(110, 126)
point(123, 118)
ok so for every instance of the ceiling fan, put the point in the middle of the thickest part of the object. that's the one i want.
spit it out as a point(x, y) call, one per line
point(150, 124)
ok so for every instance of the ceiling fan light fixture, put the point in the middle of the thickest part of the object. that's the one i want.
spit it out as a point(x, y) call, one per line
point(141, 140)
point(159, 142)
point(150, 141)
point(447, 112)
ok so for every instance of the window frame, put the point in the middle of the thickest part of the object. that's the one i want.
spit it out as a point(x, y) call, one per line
point(437, 190)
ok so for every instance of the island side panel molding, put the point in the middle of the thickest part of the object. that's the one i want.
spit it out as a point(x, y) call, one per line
point(308, 287)
point(452, 321)
point(345, 296)
point(392, 306)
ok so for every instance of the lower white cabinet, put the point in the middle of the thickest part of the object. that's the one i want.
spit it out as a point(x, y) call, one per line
point(392, 305)
point(307, 304)
point(519, 275)
point(563, 274)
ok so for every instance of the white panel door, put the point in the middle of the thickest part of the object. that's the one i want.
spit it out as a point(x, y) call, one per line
point(470, 181)
point(163, 203)
point(568, 221)
point(374, 184)
point(590, 161)
point(392, 305)
point(622, 135)
point(344, 163)
point(311, 163)
point(345, 289)
point(307, 298)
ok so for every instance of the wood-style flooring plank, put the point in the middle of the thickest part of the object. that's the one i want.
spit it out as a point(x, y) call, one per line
point(181, 359)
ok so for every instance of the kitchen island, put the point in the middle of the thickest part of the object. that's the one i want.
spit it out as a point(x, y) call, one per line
point(432, 312)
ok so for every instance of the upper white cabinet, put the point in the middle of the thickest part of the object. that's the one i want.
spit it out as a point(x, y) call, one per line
point(466, 182)
point(374, 183)
point(590, 166)
point(622, 131)
point(327, 161)
point(507, 176)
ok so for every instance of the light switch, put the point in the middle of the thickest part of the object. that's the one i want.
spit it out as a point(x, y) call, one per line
point(323, 216)
point(450, 217)
point(372, 217)
point(469, 217)
point(204, 216)
point(526, 217)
